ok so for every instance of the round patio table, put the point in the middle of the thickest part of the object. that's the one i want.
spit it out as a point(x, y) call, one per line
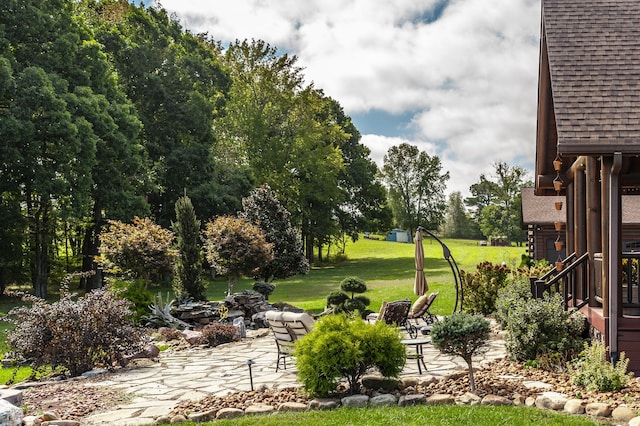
point(419, 354)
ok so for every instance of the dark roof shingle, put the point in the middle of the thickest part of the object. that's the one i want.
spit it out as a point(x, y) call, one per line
point(593, 48)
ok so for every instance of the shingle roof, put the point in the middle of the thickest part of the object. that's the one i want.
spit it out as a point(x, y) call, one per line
point(593, 48)
point(540, 210)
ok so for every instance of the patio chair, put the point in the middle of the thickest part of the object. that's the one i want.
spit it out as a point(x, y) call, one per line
point(420, 309)
point(396, 313)
point(287, 327)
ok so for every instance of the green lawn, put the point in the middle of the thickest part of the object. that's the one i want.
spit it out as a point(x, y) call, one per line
point(388, 269)
point(479, 415)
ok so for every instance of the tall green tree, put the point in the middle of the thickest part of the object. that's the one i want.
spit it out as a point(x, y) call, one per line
point(416, 186)
point(65, 117)
point(263, 209)
point(499, 201)
point(457, 222)
point(187, 281)
point(177, 84)
point(286, 133)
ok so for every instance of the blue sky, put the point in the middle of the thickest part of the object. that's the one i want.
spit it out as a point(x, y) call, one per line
point(457, 78)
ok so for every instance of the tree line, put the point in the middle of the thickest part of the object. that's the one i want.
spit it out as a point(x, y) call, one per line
point(111, 111)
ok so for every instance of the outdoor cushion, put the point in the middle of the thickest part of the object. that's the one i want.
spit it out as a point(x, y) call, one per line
point(419, 304)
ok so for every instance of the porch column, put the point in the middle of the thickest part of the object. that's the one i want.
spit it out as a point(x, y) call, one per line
point(615, 249)
point(605, 175)
point(594, 239)
point(579, 235)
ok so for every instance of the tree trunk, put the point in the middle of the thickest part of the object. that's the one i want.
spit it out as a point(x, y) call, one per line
point(40, 242)
point(472, 381)
point(90, 246)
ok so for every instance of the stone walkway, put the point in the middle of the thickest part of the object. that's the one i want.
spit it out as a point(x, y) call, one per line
point(195, 373)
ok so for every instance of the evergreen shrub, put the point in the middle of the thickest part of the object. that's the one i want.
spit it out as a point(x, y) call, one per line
point(343, 347)
point(461, 334)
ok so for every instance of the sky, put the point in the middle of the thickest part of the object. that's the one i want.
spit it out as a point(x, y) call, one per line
point(456, 78)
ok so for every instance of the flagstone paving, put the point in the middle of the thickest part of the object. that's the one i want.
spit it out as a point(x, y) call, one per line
point(198, 372)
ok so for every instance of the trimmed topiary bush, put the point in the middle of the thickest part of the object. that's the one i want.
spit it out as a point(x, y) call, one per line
point(461, 334)
point(341, 302)
point(343, 347)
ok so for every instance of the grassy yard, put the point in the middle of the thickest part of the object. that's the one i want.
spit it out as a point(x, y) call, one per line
point(388, 269)
point(479, 415)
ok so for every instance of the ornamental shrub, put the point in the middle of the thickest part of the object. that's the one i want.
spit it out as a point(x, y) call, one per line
point(217, 333)
point(593, 372)
point(480, 288)
point(77, 334)
point(341, 302)
point(461, 334)
point(343, 347)
point(540, 329)
point(517, 291)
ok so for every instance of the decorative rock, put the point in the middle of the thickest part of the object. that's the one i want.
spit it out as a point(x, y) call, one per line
point(634, 421)
point(623, 414)
point(518, 399)
point(427, 380)
point(551, 401)
point(378, 382)
point(31, 421)
point(191, 336)
point(10, 415)
point(61, 423)
point(495, 400)
point(203, 416)
point(162, 420)
point(384, 400)
point(355, 401)
point(468, 399)
point(178, 419)
point(530, 401)
point(409, 381)
point(575, 406)
point(440, 398)
point(407, 400)
point(12, 396)
point(598, 409)
point(229, 413)
point(48, 416)
point(259, 409)
point(292, 406)
point(324, 404)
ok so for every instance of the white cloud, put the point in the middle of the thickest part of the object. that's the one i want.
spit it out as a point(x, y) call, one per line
point(471, 74)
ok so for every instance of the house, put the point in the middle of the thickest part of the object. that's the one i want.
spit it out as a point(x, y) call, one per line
point(540, 218)
point(588, 152)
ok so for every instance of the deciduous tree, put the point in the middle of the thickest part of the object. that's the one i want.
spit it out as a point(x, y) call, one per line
point(416, 186)
point(235, 247)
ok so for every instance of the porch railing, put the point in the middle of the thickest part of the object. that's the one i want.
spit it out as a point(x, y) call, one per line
point(630, 282)
point(571, 282)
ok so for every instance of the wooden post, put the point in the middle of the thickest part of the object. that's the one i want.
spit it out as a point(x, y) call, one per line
point(594, 234)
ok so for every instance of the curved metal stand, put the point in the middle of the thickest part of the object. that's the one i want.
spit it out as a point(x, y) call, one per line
point(452, 264)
